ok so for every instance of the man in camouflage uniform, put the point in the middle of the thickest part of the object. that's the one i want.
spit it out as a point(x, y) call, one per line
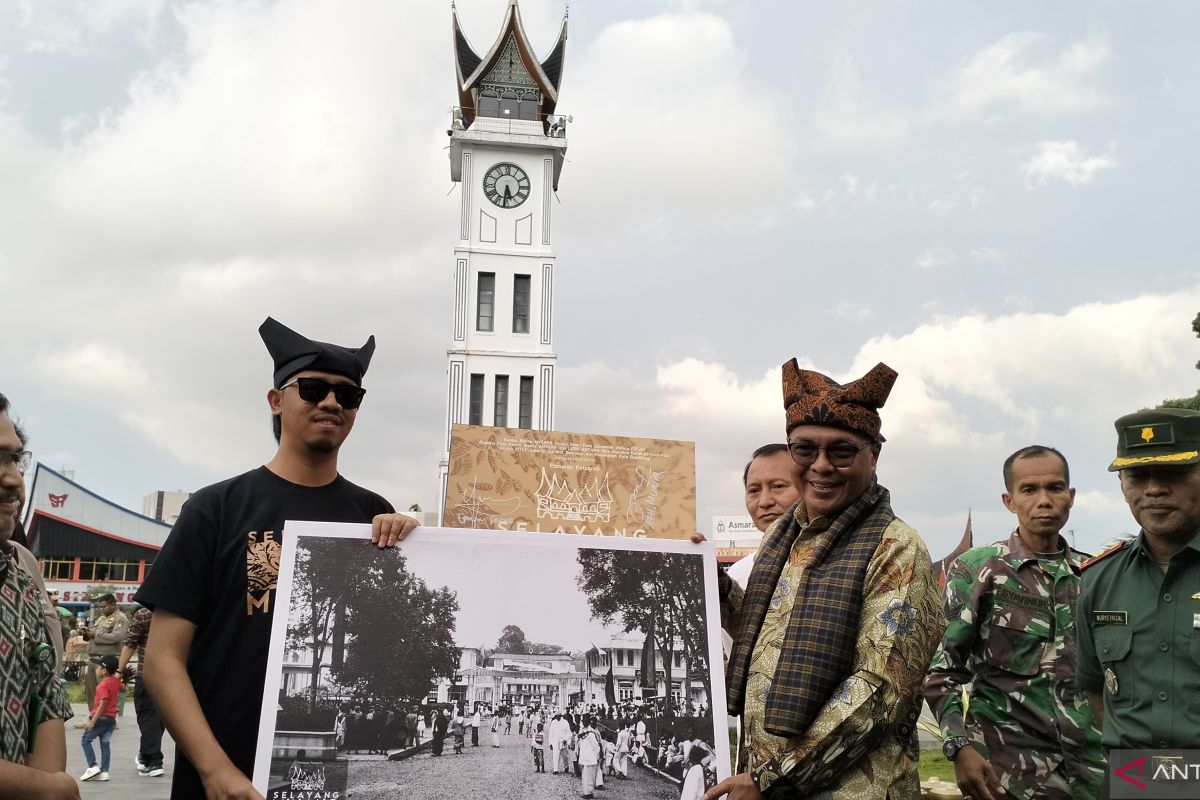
point(1027, 732)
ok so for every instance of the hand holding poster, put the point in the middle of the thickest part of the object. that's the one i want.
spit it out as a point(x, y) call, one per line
point(385, 665)
point(555, 482)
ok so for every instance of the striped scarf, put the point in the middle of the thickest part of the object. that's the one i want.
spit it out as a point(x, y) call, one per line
point(819, 646)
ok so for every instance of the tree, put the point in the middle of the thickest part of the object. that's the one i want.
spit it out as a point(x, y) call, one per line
point(661, 595)
point(512, 640)
point(398, 633)
point(1186, 402)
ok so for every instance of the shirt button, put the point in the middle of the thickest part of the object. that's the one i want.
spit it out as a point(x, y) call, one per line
point(1106, 648)
point(1164, 647)
point(1162, 696)
point(1167, 597)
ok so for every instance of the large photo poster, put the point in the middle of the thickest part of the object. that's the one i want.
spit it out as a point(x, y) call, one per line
point(578, 483)
point(491, 664)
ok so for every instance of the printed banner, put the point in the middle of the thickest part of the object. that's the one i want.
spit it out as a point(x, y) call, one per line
point(488, 664)
point(578, 483)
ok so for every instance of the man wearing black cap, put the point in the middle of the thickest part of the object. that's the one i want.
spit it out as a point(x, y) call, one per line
point(1139, 615)
point(212, 587)
point(839, 618)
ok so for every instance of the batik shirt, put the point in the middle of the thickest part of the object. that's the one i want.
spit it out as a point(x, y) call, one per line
point(28, 685)
point(863, 734)
point(1011, 637)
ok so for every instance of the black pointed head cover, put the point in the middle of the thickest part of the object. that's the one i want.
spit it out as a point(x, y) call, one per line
point(292, 353)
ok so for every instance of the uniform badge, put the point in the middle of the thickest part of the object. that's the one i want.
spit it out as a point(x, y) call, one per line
point(1196, 621)
point(1110, 683)
point(1196, 596)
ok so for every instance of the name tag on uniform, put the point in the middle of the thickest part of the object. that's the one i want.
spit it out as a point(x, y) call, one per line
point(1196, 621)
point(1110, 617)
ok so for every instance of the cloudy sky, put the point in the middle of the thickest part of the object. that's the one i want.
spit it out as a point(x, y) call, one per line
point(993, 199)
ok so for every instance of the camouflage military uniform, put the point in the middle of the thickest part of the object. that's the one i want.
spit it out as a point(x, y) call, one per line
point(1011, 637)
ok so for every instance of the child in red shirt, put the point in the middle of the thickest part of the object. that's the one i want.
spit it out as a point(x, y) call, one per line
point(103, 719)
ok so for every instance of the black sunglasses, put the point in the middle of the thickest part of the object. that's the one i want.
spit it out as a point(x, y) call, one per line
point(314, 390)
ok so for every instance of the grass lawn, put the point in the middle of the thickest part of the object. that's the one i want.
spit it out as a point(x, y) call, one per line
point(934, 765)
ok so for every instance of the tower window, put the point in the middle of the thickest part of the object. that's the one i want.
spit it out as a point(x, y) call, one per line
point(521, 304)
point(501, 408)
point(475, 411)
point(508, 105)
point(485, 305)
point(526, 418)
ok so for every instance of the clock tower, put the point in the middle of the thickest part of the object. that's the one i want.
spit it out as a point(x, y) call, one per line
point(507, 146)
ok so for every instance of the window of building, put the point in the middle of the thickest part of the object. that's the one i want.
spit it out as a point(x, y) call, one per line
point(521, 304)
point(526, 418)
point(489, 103)
point(625, 691)
point(620, 658)
point(508, 104)
point(531, 103)
point(501, 405)
point(108, 571)
point(678, 658)
point(475, 410)
point(58, 569)
point(485, 305)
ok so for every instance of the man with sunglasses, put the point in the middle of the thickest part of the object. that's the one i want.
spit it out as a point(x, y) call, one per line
point(212, 588)
point(839, 618)
point(33, 744)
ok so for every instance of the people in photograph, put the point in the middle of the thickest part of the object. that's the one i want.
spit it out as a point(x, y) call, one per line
point(538, 748)
point(458, 731)
point(693, 776)
point(102, 720)
point(212, 588)
point(621, 751)
point(1139, 615)
point(497, 724)
point(829, 688)
point(339, 728)
point(1024, 729)
point(588, 749)
point(475, 721)
point(441, 723)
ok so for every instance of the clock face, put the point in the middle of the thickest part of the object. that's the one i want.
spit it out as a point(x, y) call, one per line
point(506, 185)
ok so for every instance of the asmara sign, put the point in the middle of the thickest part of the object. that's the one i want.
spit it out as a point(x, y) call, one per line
point(574, 483)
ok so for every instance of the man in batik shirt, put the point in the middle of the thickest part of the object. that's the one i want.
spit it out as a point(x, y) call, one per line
point(1027, 733)
point(840, 615)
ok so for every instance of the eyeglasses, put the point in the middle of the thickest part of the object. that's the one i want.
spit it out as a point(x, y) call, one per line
point(22, 459)
point(840, 454)
point(314, 390)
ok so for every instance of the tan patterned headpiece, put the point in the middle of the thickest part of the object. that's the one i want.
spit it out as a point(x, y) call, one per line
point(811, 398)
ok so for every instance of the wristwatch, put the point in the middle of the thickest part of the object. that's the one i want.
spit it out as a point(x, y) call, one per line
point(952, 746)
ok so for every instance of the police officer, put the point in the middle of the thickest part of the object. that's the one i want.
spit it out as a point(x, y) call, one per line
point(1139, 616)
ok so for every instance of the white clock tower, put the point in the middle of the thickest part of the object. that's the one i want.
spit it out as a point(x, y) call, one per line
point(506, 149)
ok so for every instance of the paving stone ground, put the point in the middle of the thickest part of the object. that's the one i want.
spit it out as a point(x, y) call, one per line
point(124, 781)
point(503, 773)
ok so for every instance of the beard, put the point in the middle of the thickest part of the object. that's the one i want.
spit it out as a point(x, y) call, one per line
point(321, 447)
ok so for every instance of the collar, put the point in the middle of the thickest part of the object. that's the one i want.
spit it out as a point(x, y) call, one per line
point(1019, 553)
point(1138, 545)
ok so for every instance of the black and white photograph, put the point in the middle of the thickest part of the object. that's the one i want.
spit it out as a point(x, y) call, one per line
point(499, 665)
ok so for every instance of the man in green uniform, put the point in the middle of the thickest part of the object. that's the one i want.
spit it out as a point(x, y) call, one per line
point(1139, 637)
point(1011, 638)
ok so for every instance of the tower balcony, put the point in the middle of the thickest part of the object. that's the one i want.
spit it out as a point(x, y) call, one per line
point(542, 132)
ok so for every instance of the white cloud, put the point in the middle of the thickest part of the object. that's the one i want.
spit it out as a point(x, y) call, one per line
point(987, 256)
point(848, 116)
point(1065, 162)
point(1020, 73)
point(936, 257)
point(79, 27)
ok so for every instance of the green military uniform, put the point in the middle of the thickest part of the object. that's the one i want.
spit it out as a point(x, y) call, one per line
point(1139, 645)
point(1139, 620)
point(1011, 638)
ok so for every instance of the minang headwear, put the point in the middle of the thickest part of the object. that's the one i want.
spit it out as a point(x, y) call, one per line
point(1157, 436)
point(292, 353)
point(811, 398)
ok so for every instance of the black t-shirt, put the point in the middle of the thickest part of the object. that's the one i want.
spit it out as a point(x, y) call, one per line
point(218, 569)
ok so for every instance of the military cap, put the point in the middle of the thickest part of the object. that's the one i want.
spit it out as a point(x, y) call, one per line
point(810, 398)
point(293, 352)
point(1166, 436)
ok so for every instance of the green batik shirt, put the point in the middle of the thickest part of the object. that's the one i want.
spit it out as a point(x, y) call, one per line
point(861, 746)
point(28, 686)
point(1139, 645)
point(1011, 639)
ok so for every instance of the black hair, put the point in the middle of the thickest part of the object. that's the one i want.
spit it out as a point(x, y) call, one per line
point(4, 406)
point(1029, 452)
point(277, 427)
point(106, 598)
point(765, 450)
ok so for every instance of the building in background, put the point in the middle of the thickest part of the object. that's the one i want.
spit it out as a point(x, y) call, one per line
point(164, 506)
point(507, 147)
point(86, 543)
